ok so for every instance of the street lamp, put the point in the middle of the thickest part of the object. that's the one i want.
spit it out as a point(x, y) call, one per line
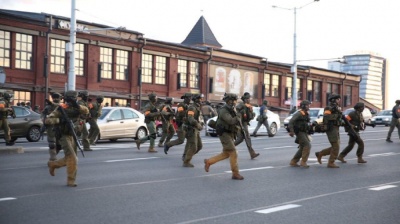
point(294, 67)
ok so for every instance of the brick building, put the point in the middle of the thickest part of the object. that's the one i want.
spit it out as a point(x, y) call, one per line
point(113, 63)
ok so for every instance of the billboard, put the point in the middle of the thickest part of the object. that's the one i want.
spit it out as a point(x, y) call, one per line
point(232, 80)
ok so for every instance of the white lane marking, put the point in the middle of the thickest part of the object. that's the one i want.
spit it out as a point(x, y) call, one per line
point(7, 199)
point(122, 160)
point(258, 168)
point(277, 209)
point(384, 187)
point(279, 147)
point(383, 154)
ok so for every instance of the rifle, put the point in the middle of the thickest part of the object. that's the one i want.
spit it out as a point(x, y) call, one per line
point(71, 128)
point(351, 130)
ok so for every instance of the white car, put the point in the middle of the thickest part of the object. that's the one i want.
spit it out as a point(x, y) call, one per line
point(273, 121)
point(120, 122)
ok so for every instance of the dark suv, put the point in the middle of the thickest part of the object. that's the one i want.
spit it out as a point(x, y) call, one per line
point(27, 125)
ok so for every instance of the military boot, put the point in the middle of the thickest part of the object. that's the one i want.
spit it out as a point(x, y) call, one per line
point(254, 155)
point(237, 176)
point(10, 143)
point(341, 159)
point(206, 165)
point(304, 164)
point(388, 140)
point(187, 164)
point(166, 148)
point(52, 168)
point(293, 163)
point(53, 154)
point(360, 160)
point(319, 157)
point(137, 143)
point(332, 165)
point(160, 144)
point(152, 150)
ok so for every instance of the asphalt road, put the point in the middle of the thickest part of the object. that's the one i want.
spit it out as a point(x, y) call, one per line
point(119, 184)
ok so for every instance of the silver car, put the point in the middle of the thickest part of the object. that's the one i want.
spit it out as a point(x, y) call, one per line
point(120, 122)
point(384, 117)
point(273, 121)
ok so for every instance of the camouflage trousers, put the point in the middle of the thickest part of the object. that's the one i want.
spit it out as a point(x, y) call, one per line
point(151, 126)
point(168, 132)
point(93, 131)
point(240, 138)
point(181, 137)
point(228, 151)
point(6, 128)
point(70, 159)
point(352, 142)
point(304, 147)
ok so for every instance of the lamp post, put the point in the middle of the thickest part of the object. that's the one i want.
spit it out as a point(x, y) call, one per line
point(294, 67)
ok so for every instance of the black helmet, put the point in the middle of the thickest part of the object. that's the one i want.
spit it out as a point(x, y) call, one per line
point(229, 96)
point(83, 93)
point(397, 102)
point(186, 95)
point(100, 97)
point(246, 95)
point(197, 96)
point(7, 96)
point(55, 95)
point(169, 100)
point(265, 102)
point(152, 97)
point(305, 102)
point(334, 97)
point(358, 105)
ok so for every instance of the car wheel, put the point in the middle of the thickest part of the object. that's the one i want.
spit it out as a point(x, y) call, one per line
point(274, 129)
point(213, 135)
point(159, 130)
point(141, 133)
point(33, 134)
point(114, 140)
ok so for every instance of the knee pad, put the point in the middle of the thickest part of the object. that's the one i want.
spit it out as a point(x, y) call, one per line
point(52, 145)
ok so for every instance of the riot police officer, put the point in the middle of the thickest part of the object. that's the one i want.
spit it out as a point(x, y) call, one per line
point(180, 118)
point(5, 110)
point(356, 120)
point(53, 142)
point(167, 115)
point(193, 125)
point(299, 125)
point(332, 120)
point(74, 113)
point(84, 97)
point(151, 113)
point(227, 126)
point(95, 109)
point(245, 111)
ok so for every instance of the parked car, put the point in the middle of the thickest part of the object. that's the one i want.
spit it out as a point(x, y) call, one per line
point(120, 122)
point(384, 117)
point(366, 114)
point(27, 125)
point(273, 121)
point(316, 114)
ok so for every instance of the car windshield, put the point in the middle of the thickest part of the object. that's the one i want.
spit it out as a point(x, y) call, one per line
point(104, 112)
point(313, 113)
point(385, 113)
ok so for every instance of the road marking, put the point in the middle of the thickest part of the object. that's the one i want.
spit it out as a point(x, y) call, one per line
point(277, 209)
point(122, 160)
point(384, 187)
point(7, 199)
point(383, 154)
point(279, 147)
point(258, 168)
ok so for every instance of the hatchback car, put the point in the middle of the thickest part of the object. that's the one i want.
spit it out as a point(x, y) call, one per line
point(316, 114)
point(384, 117)
point(120, 122)
point(273, 121)
point(27, 124)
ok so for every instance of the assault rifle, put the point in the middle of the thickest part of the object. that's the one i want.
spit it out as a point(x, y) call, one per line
point(351, 131)
point(71, 128)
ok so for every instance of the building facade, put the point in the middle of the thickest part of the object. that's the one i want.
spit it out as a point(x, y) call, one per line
point(125, 67)
point(373, 72)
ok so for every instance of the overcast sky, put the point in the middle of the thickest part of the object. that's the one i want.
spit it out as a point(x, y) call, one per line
point(325, 29)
